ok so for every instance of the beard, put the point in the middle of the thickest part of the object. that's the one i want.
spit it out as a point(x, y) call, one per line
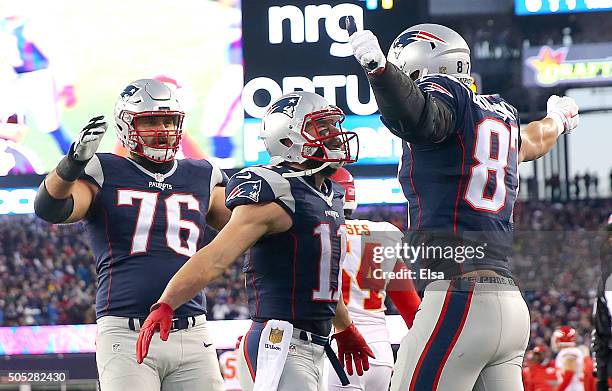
point(327, 171)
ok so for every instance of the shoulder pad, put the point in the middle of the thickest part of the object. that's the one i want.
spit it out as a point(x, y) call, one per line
point(258, 185)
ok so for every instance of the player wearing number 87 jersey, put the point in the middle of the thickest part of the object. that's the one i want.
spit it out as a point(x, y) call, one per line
point(459, 173)
point(145, 215)
point(364, 290)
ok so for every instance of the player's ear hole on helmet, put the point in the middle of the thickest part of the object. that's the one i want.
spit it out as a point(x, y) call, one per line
point(286, 142)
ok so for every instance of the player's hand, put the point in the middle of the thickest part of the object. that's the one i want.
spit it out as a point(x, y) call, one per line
point(352, 348)
point(89, 139)
point(366, 48)
point(160, 319)
point(564, 111)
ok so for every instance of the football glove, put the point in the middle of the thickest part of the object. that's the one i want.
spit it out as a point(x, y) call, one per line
point(160, 318)
point(352, 348)
point(367, 51)
point(564, 111)
point(89, 139)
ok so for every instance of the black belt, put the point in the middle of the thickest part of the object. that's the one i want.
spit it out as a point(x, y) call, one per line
point(331, 355)
point(177, 323)
point(486, 280)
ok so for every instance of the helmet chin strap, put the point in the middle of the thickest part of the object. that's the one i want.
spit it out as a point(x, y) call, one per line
point(309, 172)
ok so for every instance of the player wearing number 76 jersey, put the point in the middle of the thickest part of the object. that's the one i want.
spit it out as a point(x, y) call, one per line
point(364, 289)
point(459, 172)
point(146, 215)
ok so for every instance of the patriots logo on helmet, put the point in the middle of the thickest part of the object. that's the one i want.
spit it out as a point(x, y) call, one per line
point(415, 36)
point(129, 91)
point(285, 106)
point(248, 189)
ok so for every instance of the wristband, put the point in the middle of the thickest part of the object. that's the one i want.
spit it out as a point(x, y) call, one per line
point(558, 119)
point(70, 169)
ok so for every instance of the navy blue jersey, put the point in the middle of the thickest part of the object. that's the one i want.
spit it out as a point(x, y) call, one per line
point(293, 275)
point(143, 227)
point(468, 182)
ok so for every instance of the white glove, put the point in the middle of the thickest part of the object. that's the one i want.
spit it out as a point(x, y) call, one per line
point(89, 139)
point(564, 111)
point(367, 51)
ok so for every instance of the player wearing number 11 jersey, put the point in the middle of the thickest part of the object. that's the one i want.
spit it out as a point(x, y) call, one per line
point(145, 215)
point(459, 173)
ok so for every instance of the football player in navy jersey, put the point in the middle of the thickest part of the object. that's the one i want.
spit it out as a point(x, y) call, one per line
point(459, 172)
point(146, 215)
point(290, 218)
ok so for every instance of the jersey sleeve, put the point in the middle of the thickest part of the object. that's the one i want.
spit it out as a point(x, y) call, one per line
point(94, 172)
point(448, 90)
point(259, 185)
point(217, 177)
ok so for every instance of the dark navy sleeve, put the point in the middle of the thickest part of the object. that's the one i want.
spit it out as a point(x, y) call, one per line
point(259, 185)
point(410, 111)
point(445, 89)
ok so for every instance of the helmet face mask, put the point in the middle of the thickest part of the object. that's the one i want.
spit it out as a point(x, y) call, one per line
point(301, 127)
point(427, 49)
point(325, 139)
point(149, 120)
point(563, 337)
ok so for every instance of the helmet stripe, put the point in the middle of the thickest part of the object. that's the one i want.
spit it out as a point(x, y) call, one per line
point(429, 36)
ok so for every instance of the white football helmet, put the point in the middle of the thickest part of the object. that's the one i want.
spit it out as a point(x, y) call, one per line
point(288, 138)
point(149, 98)
point(431, 48)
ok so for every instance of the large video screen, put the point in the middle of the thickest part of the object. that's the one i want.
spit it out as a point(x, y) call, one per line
point(302, 45)
point(63, 62)
point(538, 7)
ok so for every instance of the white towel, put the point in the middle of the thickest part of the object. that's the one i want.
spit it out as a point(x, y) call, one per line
point(272, 354)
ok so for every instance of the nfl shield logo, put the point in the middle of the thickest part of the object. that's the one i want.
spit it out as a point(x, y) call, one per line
point(158, 177)
point(276, 335)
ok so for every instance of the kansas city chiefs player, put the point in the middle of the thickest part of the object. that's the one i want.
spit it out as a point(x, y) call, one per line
point(569, 361)
point(364, 289)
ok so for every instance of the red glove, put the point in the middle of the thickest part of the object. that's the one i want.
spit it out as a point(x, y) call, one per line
point(352, 348)
point(160, 319)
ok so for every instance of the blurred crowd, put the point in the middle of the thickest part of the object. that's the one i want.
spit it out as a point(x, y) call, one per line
point(47, 273)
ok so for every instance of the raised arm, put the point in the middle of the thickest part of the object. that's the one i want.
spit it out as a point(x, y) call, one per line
point(62, 197)
point(539, 137)
point(407, 112)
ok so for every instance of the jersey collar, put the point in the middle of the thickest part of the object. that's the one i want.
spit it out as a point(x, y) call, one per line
point(159, 177)
point(328, 196)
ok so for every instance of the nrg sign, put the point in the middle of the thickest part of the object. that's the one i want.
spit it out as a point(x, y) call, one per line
point(304, 24)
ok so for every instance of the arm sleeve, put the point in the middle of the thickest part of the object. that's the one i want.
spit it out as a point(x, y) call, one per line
point(410, 111)
point(567, 378)
point(401, 290)
point(406, 301)
point(259, 185)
